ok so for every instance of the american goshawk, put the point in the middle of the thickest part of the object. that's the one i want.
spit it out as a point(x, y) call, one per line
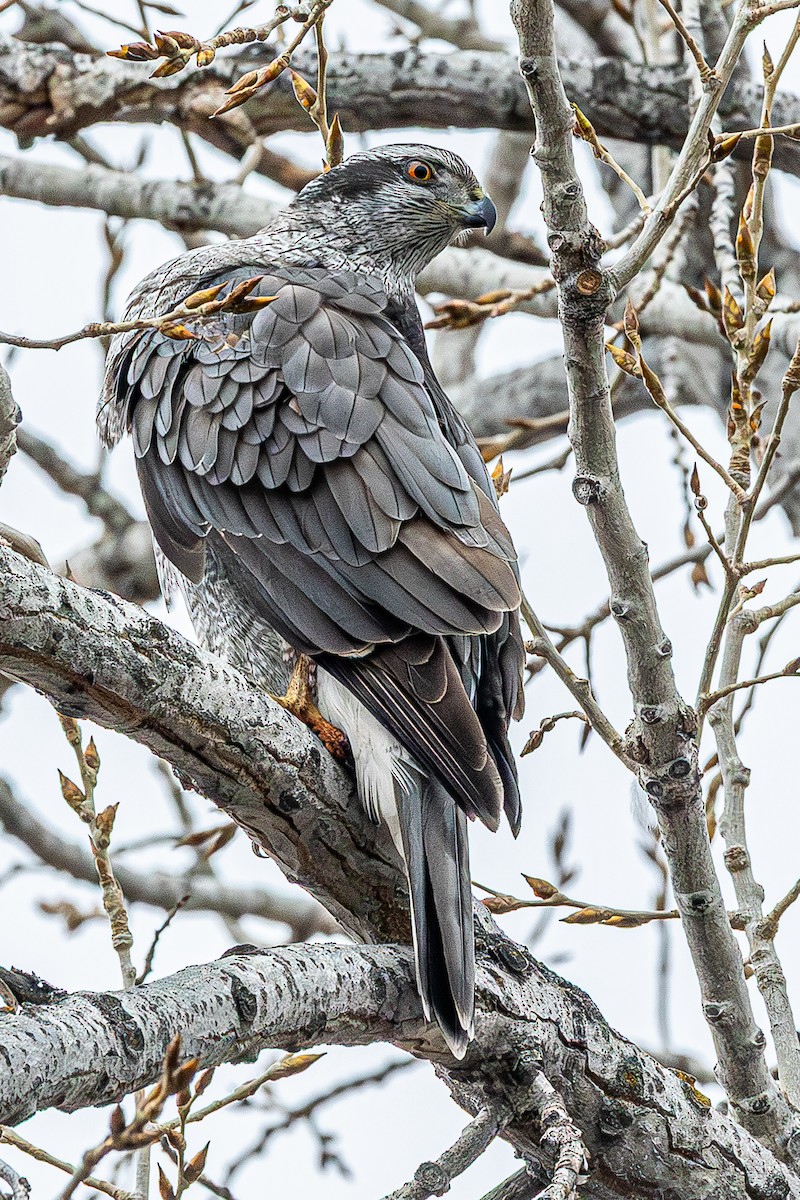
point(307, 477)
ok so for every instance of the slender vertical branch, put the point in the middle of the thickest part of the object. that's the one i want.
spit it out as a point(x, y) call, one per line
point(749, 893)
point(662, 734)
point(694, 150)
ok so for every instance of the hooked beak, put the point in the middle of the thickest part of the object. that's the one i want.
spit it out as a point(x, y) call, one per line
point(481, 214)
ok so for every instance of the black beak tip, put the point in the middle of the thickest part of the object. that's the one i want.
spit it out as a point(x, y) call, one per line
point(482, 215)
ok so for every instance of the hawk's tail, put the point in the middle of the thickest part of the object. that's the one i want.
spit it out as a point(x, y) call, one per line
point(434, 833)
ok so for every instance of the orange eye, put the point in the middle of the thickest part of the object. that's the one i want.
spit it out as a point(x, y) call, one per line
point(420, 172)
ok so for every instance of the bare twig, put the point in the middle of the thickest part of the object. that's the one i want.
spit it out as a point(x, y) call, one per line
point(561, 1136)
point(542, 646)
point(12, 1138)
point(588, 913)
point(196, 308)
point(19, 1188)
point(148, 961)
point(705, 71)
point(434, 1178)
point(771, 921)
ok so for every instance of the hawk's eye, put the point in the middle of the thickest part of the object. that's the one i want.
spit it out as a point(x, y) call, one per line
point(420, 172)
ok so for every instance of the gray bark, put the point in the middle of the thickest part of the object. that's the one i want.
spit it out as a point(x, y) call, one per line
point(46, 90)
point(662, 735)
point(98, 657)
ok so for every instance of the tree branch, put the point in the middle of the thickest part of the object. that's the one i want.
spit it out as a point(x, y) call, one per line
point(434, 1178)
point(47, 90)
point(9, 420)
point(158, 888)
point(749, 893)
point(662, 737)
point(99, 657)
point(291, 997)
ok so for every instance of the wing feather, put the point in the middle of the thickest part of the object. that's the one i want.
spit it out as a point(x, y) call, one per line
point(310, 443)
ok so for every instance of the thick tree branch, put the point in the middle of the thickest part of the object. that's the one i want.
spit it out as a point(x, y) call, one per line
point(99, 657)
point(464, 32)
point(635, 1115)
point(662, 737)
point(48, 90)
point(290, 997)
point(182, 205)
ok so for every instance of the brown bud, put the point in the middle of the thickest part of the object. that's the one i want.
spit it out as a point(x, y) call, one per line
point(304, 92)
point(500, 478)
point(626, 362)
point(172, 66)
point(203, 1081)
point(745, 250)
point(135, 52)
point(334, 147)
point(714, 297)
point(195, 1167)
point(71, 792)
point(731, 314)
point(92, 757)
point(245, 83)
point(117, 1123)
point(541, 888)
point(164, 1186)
point(758, 354)
point(724, 147)
point(766, 288)
point(104, 825)
point(293, 1064)
point(586, 916)
point(500, 905)
point(184, 41)
point(631, 324)
point(177, 331)
point(198, 299)
point(205, 56)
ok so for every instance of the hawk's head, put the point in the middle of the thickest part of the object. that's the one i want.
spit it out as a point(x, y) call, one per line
point(402, 202)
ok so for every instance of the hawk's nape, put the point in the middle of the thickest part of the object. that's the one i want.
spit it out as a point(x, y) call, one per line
point(305, 456)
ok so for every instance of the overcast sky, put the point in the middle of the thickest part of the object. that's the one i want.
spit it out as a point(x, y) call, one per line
point(53, 263)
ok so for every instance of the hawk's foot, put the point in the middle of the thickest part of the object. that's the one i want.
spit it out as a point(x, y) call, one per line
point(299, 700)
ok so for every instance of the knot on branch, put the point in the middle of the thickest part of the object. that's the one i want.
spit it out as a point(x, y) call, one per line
point(651, 714)
point(679, 768)
point(620, 609)
point(587, 489)
point(717, 1012)
point(755, 1105)
point(694, 904)
point(433, 1178)
point(737, 858)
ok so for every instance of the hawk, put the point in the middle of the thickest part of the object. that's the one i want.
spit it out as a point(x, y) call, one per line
point(308, 479)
